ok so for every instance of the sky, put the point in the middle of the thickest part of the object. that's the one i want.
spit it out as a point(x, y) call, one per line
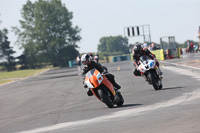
point(103, 18)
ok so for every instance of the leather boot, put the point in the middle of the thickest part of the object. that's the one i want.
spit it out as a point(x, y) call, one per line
point(116, 85)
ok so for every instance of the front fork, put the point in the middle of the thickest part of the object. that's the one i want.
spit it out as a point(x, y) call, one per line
point(145, 76)
point(158, 71)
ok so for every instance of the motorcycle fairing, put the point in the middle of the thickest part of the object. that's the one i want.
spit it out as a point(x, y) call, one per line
point(94, 79)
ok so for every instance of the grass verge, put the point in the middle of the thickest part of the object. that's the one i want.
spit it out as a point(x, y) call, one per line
point(6, 77)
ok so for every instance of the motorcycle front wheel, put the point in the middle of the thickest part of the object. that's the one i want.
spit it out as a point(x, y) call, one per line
point(154, 80)
point(106, 97)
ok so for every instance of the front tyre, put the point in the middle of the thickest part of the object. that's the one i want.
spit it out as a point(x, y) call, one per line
point(106, 97)
point(154, 80)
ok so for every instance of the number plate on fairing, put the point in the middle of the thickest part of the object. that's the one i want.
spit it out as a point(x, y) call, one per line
point(151, 64)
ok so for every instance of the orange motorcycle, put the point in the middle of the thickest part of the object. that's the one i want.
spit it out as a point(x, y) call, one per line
point(102, 88)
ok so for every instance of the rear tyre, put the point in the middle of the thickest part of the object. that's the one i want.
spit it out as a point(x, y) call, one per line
point(106, 97)
point(160, 87)
point(120, 100)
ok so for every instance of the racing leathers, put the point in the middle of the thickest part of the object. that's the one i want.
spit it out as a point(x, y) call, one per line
point(136, 58)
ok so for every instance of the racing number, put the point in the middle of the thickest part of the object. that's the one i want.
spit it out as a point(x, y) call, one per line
point(99, 78)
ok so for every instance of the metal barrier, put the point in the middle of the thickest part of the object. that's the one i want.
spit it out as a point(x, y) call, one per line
point(121, 58)
point(72, 63)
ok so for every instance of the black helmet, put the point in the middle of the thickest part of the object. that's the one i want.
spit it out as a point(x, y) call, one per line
point(138, 49)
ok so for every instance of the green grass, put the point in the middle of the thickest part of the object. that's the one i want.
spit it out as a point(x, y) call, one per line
point(6, 77)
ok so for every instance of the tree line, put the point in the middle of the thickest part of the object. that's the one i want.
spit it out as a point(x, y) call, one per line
point(6, 52)
point(47, 36)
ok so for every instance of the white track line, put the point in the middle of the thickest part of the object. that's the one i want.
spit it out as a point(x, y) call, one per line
point(181, 65)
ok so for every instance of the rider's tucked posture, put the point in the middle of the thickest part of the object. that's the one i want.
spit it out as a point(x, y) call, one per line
point(138, 52)
point(88, 65)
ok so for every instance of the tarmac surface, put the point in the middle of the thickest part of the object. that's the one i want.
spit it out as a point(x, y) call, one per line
point(56, 102)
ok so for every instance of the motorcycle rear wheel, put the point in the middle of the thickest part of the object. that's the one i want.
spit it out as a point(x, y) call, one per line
point(120, 100)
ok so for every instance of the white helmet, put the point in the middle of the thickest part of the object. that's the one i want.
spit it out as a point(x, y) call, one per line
point(145, 45)
point(85, 59)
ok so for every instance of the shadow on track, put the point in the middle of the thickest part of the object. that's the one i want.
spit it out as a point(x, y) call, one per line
point(171, 88)
point(127, 105)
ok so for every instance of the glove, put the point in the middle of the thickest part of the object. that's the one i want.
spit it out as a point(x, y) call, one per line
point(104, 73)
point(105, 70)
point(85, 86)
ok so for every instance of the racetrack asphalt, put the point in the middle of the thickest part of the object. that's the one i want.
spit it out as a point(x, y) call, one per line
point(56, 102)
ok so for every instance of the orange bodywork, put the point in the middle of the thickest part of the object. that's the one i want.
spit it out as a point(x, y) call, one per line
point(96, 79)
point(108, 84)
